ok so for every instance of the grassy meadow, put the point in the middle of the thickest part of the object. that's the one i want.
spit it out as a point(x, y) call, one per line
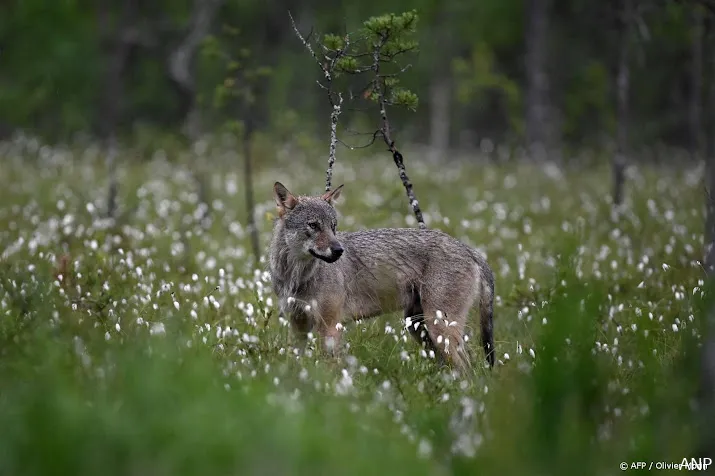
point(150, 345)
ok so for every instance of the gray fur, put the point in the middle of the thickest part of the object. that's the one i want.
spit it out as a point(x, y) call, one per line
point(375, 272)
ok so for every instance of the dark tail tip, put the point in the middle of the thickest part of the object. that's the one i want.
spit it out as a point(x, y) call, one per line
point(488, 338)
point(489, 351)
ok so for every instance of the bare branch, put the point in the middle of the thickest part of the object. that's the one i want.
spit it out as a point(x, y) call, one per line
point(365, 146)
point(328, 68)
point(334, 115)
point(310, 49)
point(402, 70)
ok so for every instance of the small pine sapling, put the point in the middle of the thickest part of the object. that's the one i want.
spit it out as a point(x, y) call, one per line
point(239, 89)
point(373, 53)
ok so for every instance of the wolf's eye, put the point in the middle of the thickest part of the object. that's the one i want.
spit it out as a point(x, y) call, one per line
point(313, 225)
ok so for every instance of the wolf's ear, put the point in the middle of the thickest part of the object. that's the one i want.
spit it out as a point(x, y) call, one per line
point(284, 199)
point(332, 195)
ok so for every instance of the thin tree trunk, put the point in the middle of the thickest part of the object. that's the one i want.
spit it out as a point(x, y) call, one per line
point(623, 84)
point(181, 61)
point(707, 387)
point(707, 383)
point(710, 166)
point(248, 186)
point(696, 82)
point(116, 50)
point(710, 219)
point(182, 73)
point(708, 117)
point(117, 45)
point(440, 114)
point(113, 190)
point(440, 92)
point(537, 79)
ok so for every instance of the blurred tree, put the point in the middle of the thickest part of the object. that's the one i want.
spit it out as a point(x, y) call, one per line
point(239, 94)
point(181, 62)
point(626, 19)
point(49, 65)
point(117, 39)
point(709, 232)
point(707, 397)
point(182, 72)
point(479, 82)
point(488, 71)
point(538, 105)
point(696, 80)
point(544, 80)
point(440, 18)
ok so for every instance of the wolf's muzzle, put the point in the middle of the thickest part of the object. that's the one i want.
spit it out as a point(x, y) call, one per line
point(336, 251)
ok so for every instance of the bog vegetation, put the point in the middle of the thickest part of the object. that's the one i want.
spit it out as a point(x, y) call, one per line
point(150, 342)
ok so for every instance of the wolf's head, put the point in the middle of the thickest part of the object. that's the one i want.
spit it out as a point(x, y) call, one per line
point(309, 223)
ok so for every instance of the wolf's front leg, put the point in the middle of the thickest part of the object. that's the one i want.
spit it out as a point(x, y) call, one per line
point(301, 324)
point(329, 324)
point(330, 337)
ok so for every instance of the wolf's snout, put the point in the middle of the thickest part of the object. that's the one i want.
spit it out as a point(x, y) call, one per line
point(336, 250)
point(330, 254)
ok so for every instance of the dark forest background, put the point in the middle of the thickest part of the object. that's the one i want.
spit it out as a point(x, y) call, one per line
point(631, 76)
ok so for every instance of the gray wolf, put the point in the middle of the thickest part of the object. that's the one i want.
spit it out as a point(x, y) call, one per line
point(322, 276)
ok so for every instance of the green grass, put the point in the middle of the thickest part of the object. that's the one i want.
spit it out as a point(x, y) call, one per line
point(160, 350)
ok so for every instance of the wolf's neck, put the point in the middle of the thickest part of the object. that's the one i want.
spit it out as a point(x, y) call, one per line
point(291, 273)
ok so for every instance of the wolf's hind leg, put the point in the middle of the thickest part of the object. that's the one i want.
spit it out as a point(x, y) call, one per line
point(446, 331)
point(414, 319)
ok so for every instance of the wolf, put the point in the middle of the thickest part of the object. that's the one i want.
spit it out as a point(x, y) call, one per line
point(322, 276)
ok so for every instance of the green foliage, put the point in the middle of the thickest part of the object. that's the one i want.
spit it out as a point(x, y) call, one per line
point(405, 98)
point(54, 56)
point(588, 103)
point(477, 80)
point(235, 75)
point(346, 64)
point(390, 39)
point(50, 65)
point(168, 411)
point(391, 27)
point(333, 42)
point(391, 33)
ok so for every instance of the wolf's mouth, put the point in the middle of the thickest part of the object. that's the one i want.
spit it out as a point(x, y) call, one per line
point(328, 259)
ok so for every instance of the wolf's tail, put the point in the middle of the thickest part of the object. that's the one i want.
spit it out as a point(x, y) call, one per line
point(486, 306)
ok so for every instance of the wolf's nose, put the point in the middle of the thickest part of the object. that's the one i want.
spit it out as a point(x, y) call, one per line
point(337, 250)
